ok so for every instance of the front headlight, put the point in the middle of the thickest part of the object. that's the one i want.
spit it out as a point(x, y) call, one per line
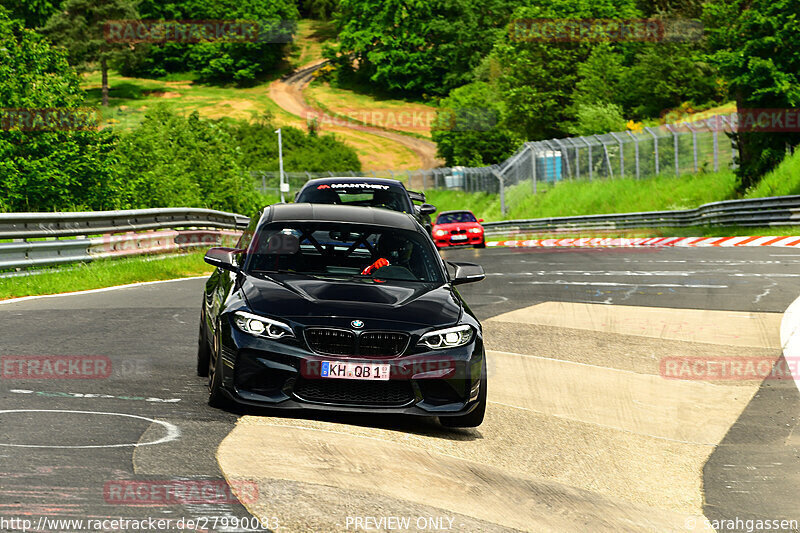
point(441, 232)
point(447, 338)
point(259, 326)
point(475, 230)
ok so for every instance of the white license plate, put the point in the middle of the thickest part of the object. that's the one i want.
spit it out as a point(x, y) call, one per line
point(459, 238)
point(336, 369)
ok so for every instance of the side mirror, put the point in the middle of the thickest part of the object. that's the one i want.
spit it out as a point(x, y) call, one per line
point(427, 209)
point(467, 273)
point(222, 258)
point(480, 220)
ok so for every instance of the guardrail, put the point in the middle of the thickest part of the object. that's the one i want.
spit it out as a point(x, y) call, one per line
point(773, 211)
point(85, 236)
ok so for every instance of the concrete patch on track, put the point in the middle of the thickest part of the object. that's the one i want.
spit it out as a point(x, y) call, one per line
point(581, 432)
point(759, 330)
point(337, 460)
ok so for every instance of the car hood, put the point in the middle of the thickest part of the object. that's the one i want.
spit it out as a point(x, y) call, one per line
point(298, 297)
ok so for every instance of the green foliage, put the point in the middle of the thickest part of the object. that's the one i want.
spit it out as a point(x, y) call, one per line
point(466, 130)
point(663, 76)
point(175, 161)
point(781, 181)
point(417, 46)
point(755, 47)
point(600, 76)
point(537, 79)
point(258, 144)
point(48, 170)
point(78, 27)
point(320, 9)
point(239, 62)
point(594, 119)
point(32, 13)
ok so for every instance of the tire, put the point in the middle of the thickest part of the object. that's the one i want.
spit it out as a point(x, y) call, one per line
point(203, 353)
point(216, 397)
point(481, 245)
point(475, 417)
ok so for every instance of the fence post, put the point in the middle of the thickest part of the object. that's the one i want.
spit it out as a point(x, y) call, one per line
point(621, 155)
point(502, 189)
point(608, 158)
point(675, 144)
point(533, 164)
point(565, 152)
point(591, 170)
point(635, 152)
point(655, 147)
point(263, 183)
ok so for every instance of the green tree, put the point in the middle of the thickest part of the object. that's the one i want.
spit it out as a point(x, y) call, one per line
point(417, 46)
point(594, 119)
point(176, 161)
point(320, 9)
point(754, 43)
point(537, 78)
point(33, 13)
point(217, 61)
point(467, 129)
point(79, 28)
point(48, 170)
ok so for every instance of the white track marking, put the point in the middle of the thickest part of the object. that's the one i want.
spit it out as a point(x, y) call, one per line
point(173, 431)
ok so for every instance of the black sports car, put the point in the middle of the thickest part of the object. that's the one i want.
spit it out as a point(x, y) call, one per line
point(368, 192)
point(343, 308)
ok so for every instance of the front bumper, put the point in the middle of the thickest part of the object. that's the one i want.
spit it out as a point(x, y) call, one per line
point(473, 239)
point(285, 374)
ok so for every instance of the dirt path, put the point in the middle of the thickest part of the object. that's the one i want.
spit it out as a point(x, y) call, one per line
point(288, 94)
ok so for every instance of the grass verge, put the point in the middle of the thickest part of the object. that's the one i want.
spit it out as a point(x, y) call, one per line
point(572, 198)
point(104, 273)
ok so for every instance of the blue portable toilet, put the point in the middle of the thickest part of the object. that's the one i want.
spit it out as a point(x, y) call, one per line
point(548, 166)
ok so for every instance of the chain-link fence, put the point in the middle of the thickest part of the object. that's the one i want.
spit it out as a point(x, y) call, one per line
point(688, 147)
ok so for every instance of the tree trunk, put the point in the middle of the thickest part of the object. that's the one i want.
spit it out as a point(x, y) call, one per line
point(104, 69)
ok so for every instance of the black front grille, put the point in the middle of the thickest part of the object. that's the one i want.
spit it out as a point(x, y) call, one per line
point(382, 343)
point(329, 341)
point(354, 392)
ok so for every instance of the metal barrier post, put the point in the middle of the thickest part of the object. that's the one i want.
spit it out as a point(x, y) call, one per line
point(621, 155)
point(655, 147)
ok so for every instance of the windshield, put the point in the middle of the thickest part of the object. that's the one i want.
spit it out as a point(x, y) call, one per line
point(359, 194)
point(449, 218)
point(344, 251)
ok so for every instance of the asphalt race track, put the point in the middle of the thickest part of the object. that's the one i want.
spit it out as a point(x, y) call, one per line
point(584, 432)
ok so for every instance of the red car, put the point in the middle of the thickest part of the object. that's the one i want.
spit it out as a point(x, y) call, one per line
point(458, 228)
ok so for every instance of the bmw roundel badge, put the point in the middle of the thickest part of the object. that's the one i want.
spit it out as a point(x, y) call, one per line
point(358, 324)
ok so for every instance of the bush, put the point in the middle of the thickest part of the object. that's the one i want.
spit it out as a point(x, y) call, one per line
point(594, 119)
point(175, 161)
point(467, 130)
point(48, 170)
